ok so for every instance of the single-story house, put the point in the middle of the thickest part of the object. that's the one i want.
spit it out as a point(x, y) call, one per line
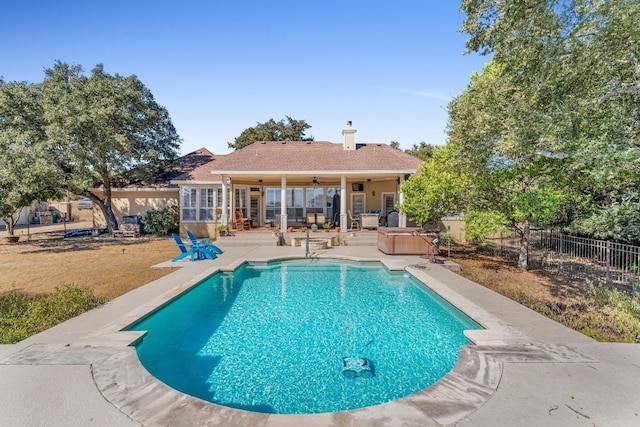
point(134, 197)
point(293, 183)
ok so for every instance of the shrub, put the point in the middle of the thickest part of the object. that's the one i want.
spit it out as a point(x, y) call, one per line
point(22, 316)
point(13, 308)
point(603, 314)
point(163, 221)
point(479, 225)
point(603, 296)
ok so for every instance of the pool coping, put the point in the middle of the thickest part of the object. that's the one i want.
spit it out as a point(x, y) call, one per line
point(474, 380)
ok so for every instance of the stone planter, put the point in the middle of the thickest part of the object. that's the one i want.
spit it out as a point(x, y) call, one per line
point(314, 245)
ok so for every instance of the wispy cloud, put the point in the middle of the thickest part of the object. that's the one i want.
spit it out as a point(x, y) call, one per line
point(426, 94)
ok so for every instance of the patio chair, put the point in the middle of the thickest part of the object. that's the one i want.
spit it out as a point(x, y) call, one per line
point(206, 243)
point(355, 221)
point(311, 218)
point(195, 251)
point(241, 221)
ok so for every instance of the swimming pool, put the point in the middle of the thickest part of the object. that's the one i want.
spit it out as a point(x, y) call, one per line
point(303, 336)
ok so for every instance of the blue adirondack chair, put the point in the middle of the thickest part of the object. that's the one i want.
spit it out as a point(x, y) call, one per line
point(206, 243)
point(195, 251)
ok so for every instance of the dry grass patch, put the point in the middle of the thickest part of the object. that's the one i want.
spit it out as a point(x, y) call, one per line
point(109, 268)
point(600, 313)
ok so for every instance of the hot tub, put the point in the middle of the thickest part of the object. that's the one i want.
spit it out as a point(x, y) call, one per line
point(406, 241)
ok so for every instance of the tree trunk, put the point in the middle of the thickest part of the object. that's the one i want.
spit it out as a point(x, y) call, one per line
point(11, 222)
point(109, 216)
point(105, 207)
point(10, 226)
point(523, 257)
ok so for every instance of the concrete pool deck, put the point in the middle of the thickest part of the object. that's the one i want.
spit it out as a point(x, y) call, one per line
point(524, 369)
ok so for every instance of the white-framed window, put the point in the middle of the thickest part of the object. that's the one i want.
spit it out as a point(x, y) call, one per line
point(271, 203)
point(388, 203)
point(188, 203)
point(241, 201)
point(358, 203)
point(315, 200)
point(206, 204)
point(295, 204)
point(199, 203)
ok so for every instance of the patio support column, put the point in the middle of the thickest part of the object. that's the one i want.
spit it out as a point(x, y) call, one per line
point(224, 217)
point(402, 217)
point(343, 203)
point(283, 203)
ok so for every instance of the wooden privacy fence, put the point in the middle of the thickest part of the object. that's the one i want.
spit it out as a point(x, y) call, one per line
point(578, 258)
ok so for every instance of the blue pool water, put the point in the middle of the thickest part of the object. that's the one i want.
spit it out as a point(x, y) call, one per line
point(285, 337)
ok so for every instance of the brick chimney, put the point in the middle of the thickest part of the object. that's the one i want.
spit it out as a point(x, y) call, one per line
point(349, 134)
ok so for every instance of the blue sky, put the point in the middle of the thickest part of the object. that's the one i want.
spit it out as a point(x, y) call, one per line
point(222, 66)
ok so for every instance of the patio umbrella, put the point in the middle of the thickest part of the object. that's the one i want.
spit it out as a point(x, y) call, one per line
point(336, 207)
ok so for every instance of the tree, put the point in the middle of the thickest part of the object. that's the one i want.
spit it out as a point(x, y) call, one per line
point(103, 126)
point(498, 130)
point(292, 130)
point(583, 58)
point(423, 151)
point(605, 119)
point(26, 170)
point(551, 127)
point(394, 144)
point(437, 190)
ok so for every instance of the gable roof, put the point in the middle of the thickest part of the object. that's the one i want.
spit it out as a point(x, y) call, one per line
point(163, 175)
point(320, 156)
point(195, 159)
point(202, 173)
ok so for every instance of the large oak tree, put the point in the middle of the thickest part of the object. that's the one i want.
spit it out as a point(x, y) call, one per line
point(103, 126)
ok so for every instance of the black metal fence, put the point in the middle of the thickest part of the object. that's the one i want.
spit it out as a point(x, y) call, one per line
point(577, 258)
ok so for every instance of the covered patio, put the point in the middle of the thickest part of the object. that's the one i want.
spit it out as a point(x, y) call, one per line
point(298, 183)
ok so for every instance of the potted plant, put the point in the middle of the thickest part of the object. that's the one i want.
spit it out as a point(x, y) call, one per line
point(290, 229)
point(303, 228)
point(222, 230)
point(326, 226)
point(314, 227)
point(337, 229)
point(275, 230)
